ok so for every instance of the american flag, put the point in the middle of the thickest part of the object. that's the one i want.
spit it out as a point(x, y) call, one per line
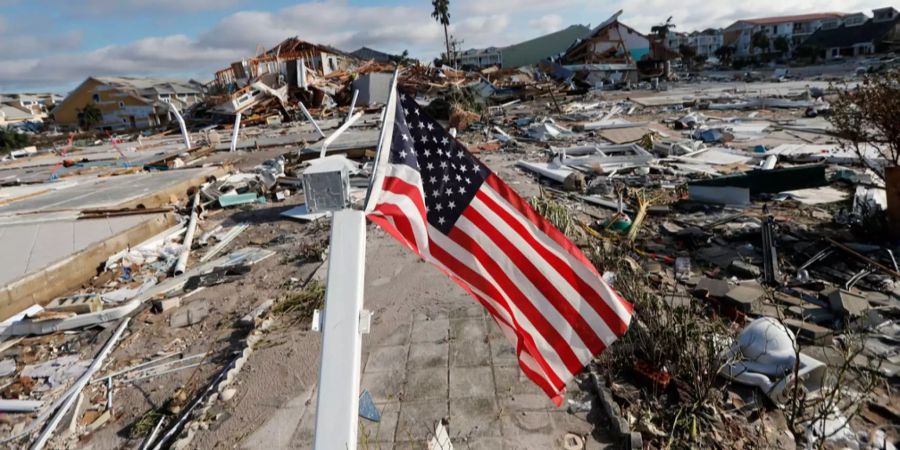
point(433, 196)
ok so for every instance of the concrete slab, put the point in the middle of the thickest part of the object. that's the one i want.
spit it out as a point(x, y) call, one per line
point(428, 356)
point(474, 417)
point(430, 331)
point(94, 192)
point(426, 384)
point(743, 297)
point(416, 419)
point(503, 354)
point(467, 382)
point(467, 329)
point(526, 423)
point(469, 353)
point(385, 386)
point(387, 358)
point(383, 431)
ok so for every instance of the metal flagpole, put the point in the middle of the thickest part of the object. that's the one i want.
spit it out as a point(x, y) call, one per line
point(345, 321)
point(384, 141)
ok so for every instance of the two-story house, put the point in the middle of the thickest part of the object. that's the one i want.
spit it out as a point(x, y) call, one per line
point(796, 29)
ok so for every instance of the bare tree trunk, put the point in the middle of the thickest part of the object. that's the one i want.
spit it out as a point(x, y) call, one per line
point(447, 43)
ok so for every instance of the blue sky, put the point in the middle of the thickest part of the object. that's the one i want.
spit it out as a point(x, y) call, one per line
point(55, 44)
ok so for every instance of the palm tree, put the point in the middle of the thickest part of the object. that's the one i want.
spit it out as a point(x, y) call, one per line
point(442, 15)
point(89, 116)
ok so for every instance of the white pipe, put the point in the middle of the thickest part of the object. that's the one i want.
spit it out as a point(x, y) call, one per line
point(184, 131)
point(330, 139)
point(188, 236)
point(309, 117)
point(352, 103)
point(72, 394)
point(20, 405)
point(237, 128)
point(337, 412)
point(153, 434)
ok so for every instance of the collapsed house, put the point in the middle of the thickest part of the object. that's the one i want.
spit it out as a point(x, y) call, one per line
point(126, 103)
point(611, 53)
point(287, 60)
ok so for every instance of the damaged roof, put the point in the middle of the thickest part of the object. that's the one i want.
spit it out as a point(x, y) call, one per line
point(794, 18)
point(844, 36)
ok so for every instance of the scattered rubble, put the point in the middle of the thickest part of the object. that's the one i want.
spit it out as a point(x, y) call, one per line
point(749, 238)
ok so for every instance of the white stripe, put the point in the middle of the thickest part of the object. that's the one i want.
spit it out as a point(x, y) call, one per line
point(557, 281)
point(589, 277)
point(525, 326)
point(408, 208)
point(531, 293)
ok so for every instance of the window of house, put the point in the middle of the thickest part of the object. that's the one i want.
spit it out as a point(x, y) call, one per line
point(121, 105)
point(96, 98)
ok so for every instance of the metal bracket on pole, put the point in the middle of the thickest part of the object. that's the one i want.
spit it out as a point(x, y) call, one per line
point(309, 117)
point(337, 411)
point(237, 129)
point(338, 132)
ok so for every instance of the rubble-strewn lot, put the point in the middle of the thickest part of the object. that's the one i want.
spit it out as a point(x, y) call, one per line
point(756, 247)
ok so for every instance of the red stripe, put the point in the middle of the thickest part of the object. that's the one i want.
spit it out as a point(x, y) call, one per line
point(400, 186)
point(465, 276)
point(562, 347)
point(520, 205)
point(401, 222)
point(536, 377)
point(564, 268)
point(389, 227)
point(539, 281)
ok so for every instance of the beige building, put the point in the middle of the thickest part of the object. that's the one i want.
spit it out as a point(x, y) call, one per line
point(126, 103)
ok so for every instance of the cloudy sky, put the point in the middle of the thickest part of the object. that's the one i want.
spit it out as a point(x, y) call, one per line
point(55, 44)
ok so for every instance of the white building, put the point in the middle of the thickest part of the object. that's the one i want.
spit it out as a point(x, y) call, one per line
point(706, 42)
point(795, 29)
point(479, 57)
point(674, 40)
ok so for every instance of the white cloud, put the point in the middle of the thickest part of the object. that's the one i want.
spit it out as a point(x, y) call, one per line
point(547, 24)
point(23, 45)
point(46, 59)
point(336, 23)
point(122, 7)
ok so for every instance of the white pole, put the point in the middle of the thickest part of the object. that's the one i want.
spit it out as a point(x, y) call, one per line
point(79, 385)
point(184, 131)
point(352, 104)
point(309, 117)
point(181, 265)
point(384, 144)
point(237, 128)
point(337, 412)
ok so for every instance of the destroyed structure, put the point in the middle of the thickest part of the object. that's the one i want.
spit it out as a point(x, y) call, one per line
point(159, 289)
point(126, 103)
